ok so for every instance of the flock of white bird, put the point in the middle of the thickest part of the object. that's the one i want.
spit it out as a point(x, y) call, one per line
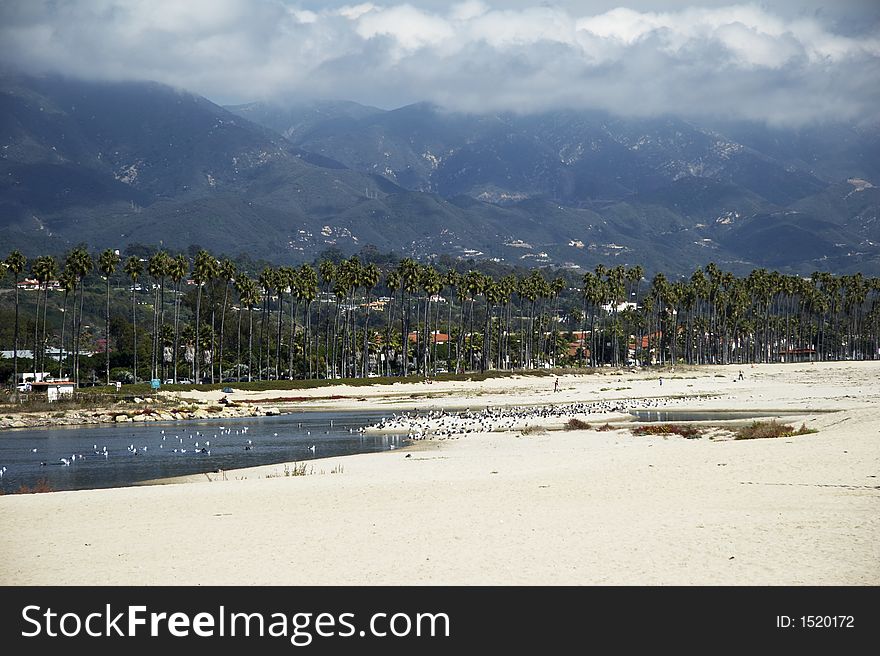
point(446, 425)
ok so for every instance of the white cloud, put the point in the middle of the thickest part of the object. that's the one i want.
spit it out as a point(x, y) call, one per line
point(743, 61)
point(468, 10)
point(408, 27)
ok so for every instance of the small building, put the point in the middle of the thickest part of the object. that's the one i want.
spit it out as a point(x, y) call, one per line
point(435, 337)
point(54, 390)
point(32, 377)
point(805, 354)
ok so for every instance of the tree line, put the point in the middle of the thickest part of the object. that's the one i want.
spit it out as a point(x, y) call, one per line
point(202, 318)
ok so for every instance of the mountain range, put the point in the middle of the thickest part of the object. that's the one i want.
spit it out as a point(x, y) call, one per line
point(115, 163)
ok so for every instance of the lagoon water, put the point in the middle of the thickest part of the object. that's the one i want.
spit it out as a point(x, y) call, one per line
point(284, 438)
point(711, 415)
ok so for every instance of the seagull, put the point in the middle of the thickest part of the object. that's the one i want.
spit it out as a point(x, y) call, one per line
point(312, 448)
point(33, 450)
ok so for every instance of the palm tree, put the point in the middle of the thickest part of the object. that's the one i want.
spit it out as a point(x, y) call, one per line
point(133, 269)
point(16, 263)
point(240, 285)
point(67, 281)
point(327, 271)
point(227, 274)
point(474, 284)
point(107, 263)
point(370, 278)
point(283, 282)
point(409, 277)
point(453, 280)
point(307, 288)
point(508, 288)
point(294, 285)
point(157, 266)
point(659, 287)
point(177, 271)
point(432, 283)
point(556, 288)
point(204, 269)
point(249, 295)
point(392, 282)
point(80, 264)
point(267, 283)
point(634, 276)
point(45, 269)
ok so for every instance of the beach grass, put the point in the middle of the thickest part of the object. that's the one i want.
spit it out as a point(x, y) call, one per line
point(771, 428)
point(684, 430)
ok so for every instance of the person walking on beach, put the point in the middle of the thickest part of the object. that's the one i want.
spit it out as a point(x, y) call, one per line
point(740, 374)
point(556, 385)
point(661, 381)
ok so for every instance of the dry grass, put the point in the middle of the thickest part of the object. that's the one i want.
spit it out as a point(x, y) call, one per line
point(298, 469)
point(605, 427)
point(684, 430)
point(576, 424)
point(764, 429)
point(533, 430)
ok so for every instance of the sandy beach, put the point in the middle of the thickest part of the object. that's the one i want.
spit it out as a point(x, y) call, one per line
point(556, 507)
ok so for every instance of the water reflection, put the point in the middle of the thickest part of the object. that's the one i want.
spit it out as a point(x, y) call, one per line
point(711, 415)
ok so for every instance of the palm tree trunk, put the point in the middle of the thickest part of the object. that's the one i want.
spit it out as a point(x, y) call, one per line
point(278, 336)
point(223, 328)
point(43, 342)
point(79, 332)
point(134, 329)
point(238, 343)
point(250, 341)
point(366, 360)
point(107, 331)
point(335, 340)
point(196, 366)
point(15, 340)
point(294, 308)
point(35, 353)
point(61, 350)
point(176, 330)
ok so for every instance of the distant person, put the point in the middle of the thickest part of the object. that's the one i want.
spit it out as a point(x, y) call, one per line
point(661, 381)
point(741, 374)
point(556, 385)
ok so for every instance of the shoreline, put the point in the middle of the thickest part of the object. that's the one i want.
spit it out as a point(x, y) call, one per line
point(403, 395)
point(558, 507)
point(142, 413)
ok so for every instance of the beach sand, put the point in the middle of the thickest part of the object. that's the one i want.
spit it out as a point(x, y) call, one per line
point(554, 508)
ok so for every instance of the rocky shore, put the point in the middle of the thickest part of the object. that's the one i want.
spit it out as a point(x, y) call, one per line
point(139, 410)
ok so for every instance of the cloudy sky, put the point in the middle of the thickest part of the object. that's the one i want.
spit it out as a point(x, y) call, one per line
point(784, 62)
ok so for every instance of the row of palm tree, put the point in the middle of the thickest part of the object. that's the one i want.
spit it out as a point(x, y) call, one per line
point(716, 317)
point(320, 322)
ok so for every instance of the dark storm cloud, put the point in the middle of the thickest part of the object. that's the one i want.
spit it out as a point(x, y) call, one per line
point(780, 62)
